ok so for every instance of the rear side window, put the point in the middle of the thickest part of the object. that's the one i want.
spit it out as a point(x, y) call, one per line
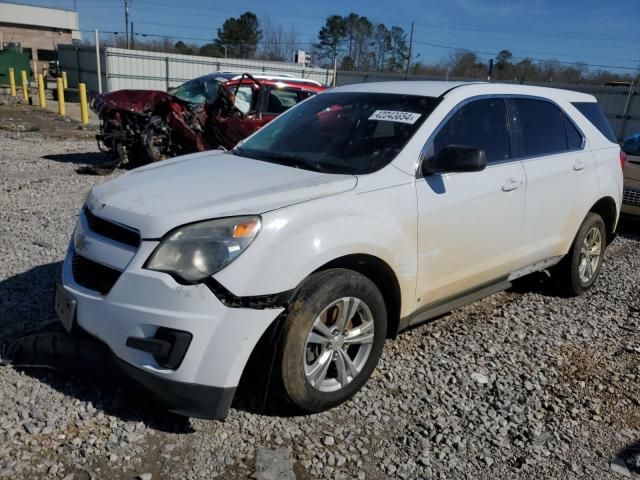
point(481, 124)
point(540, 128)
point(280, 100)
point(574, 137)
point(592, 111)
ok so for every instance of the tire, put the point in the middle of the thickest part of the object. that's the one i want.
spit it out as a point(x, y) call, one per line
point(569, 276)
point(305, 348)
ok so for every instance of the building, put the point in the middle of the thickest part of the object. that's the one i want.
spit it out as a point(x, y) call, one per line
point(37, 30)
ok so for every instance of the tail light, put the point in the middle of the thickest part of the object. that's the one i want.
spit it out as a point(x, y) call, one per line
point(623, 159)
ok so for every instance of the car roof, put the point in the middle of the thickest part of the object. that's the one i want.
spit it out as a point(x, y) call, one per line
point(285, 77)
point(278, 83)
point(442, 88)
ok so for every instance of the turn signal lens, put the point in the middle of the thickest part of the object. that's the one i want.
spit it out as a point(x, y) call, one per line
point(623, 159)
point(247, 229)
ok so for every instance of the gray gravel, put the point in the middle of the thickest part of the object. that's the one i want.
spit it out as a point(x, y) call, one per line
point(522, 384)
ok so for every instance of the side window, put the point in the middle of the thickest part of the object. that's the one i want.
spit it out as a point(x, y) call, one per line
point(282, 99)
point(481, 124)
point(541, 128)
point(574, 137)
point(244, 99)
point(592, 111)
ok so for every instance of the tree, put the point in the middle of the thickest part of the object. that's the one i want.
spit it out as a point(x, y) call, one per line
point(277, 45)
point(240, 36)
point(504, 58)
point(382, 45)
point(399, 51)
point(503, 67)
point(362, 42)
point(211, 50)
point(526, 70)
point(465, 64)
point(183, 48)
point(331, 38)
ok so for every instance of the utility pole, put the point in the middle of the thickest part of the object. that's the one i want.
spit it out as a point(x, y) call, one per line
point(126, 21)
point(628, 102)
point(132, 43)
point(410, 48)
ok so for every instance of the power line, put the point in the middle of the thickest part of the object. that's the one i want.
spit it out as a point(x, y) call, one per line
point(548, 60)
point(456, 26)
point(431, 44)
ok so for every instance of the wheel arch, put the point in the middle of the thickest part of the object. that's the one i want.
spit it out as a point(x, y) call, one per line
point(607, 209)
point(384, 278)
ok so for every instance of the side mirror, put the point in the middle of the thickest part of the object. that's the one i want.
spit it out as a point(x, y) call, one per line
point(455, 158)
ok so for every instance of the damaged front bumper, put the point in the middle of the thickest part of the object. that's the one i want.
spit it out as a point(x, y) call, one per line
point(144, 318)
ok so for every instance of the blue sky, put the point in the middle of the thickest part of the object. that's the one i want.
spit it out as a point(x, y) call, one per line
point(595, 32)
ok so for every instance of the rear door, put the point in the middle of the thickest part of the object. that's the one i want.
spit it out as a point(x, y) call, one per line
point(561, 176)
point(470, 224)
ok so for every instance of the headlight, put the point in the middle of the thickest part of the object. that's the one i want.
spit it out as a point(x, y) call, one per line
point(197, 251)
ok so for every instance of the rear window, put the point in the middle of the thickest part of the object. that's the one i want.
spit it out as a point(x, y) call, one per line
point(592, 111)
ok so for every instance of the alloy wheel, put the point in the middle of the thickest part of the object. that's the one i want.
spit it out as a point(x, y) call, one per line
point(590, 254)
point(338, 344)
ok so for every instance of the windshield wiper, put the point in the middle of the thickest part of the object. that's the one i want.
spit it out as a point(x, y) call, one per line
point(281, 158)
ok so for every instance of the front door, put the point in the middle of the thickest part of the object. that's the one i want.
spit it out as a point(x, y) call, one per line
point(470, 224)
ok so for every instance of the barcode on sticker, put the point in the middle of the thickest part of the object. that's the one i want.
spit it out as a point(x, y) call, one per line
point(395, 116)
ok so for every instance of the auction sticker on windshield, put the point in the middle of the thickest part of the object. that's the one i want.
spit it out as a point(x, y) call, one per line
point(395, 116)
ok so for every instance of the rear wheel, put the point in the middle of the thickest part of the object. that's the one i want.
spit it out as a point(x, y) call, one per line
point(579, 269)
point(333, 339)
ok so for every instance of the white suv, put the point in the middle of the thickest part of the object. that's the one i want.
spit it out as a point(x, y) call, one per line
point(358, 213)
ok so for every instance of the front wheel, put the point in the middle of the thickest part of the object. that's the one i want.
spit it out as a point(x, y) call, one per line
point(579, 269)
point(332, 340)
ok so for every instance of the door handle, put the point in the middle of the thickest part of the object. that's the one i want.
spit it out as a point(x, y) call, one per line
point(579, 165)
point(511, 184)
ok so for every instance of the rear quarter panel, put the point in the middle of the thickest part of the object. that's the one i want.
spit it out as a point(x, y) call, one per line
point(606, 156)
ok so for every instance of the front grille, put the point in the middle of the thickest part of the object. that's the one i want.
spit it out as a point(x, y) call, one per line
point(93, 275)
point(631, 197)
point(111, 230)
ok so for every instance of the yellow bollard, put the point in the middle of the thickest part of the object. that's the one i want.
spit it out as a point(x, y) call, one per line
point(12, 82)
point(64, 80)
point(43, 101)
point(61, 110)
point(84, 113)
point(25, 86)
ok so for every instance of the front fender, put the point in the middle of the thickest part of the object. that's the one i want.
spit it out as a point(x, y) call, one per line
point(299, 239)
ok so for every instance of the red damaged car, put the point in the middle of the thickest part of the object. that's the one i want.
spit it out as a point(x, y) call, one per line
point(213, 111)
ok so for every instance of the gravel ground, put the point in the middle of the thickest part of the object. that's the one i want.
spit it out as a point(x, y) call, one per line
point(522, 384)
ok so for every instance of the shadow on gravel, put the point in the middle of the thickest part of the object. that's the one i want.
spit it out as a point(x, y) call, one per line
point(631, 455)
point(538, 282)
point(26, 301)
point(74, 365)
point(629, 227)
point(85, 158)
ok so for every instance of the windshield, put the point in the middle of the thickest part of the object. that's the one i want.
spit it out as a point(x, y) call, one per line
point(199, 90)
point(342, 132)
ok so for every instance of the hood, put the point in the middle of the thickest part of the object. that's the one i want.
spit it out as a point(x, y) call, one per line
point(142, 101)
point(159, 197)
